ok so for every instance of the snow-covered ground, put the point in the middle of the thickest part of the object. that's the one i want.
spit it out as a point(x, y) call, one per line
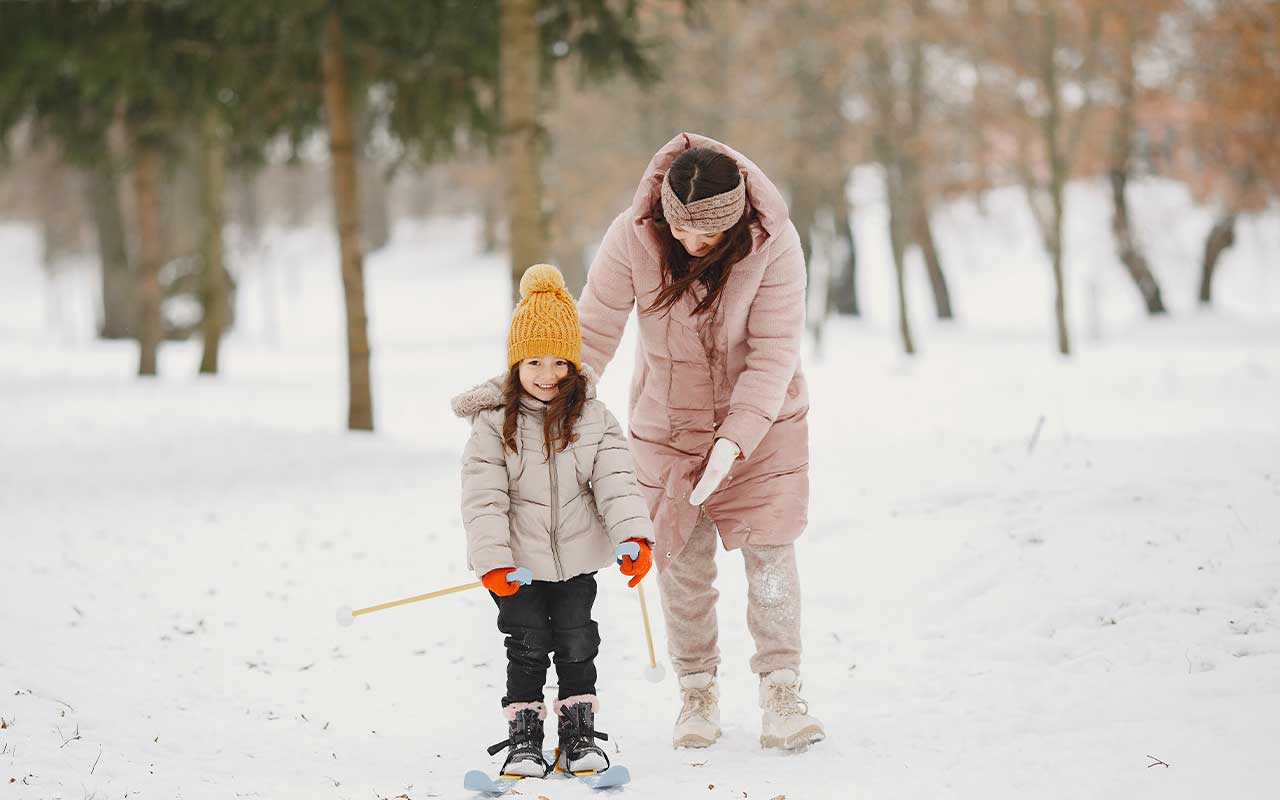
point(989, 613)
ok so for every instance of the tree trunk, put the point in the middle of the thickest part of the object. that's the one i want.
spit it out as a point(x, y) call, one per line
point(898, 246)
point(118, 297)
point(1058, 173)
point(842, 295)
point(346, 204)
point(1121, 163)
point(885, 144)
point(146, 190)
point(1059, 283)
point(1135, 263)
point(915, 152)
point(1221, 236)
point(980, 106)
point(803, 211)
point(886, 154)
point(932, 262)
point(215, 283)
point(520, 72)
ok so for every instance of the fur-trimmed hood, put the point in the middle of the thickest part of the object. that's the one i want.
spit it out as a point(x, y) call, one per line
point(489, 394)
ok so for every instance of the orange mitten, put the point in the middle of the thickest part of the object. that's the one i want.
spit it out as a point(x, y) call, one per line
point(495, 580)
point(639, 566)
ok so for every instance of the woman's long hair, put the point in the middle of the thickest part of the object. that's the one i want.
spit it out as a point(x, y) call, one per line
point(562, 412)
point(696, 174)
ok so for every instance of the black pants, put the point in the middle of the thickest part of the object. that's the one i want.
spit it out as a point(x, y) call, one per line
point(543, 617)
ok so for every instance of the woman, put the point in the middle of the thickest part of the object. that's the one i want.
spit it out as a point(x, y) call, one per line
point(718, 411)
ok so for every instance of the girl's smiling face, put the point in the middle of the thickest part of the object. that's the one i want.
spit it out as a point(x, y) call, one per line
point(540, 376)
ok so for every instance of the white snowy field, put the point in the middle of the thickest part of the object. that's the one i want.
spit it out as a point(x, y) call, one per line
point(988, 613)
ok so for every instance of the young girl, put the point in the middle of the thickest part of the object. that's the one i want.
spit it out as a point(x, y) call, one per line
point(548, 484)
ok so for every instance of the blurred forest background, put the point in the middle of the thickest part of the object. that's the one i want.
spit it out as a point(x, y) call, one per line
point(155, 142)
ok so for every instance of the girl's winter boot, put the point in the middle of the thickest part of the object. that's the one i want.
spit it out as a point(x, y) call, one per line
point(524, 741)
point(578, 751)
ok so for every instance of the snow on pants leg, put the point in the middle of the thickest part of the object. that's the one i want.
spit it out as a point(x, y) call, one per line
point(773, 606)
point(547, 616)
point(689, 604)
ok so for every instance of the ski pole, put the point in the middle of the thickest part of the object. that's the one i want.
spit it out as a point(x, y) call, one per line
point(653, 673)
point(347, 617)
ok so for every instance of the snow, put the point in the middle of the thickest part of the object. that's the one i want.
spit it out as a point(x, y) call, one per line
point(989, 611)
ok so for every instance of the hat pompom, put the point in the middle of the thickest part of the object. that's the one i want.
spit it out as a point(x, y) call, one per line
point(540, 278)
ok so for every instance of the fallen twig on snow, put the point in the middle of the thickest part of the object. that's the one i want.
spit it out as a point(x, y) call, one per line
point(1035, 435)
point(1243, 527)
point(1158, 762)
point(68, 740)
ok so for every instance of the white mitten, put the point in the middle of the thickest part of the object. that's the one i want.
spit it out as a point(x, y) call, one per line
point(723, 454)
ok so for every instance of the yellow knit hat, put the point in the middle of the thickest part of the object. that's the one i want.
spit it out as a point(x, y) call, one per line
point(546, 321)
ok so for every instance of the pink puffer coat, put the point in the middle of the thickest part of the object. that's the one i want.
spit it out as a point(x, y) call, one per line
point(738, 377)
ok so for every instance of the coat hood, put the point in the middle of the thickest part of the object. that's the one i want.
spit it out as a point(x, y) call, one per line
point(762, 194)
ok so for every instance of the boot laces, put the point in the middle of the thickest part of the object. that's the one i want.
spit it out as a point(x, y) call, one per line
point(784, 699)
point(697, 703)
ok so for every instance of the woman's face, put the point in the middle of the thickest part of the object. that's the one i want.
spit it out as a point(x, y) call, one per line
point(540, 376)
point(697, 243)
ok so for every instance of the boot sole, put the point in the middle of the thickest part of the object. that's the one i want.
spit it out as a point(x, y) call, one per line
point(796, 741)
point(582, 769)
point(558, 766)
point(540, 774)
point(539, 769)
point(693, 741)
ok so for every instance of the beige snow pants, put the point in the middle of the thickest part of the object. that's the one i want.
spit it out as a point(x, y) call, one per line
point(689, 604)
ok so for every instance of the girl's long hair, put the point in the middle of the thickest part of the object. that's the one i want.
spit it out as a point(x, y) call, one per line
point(696, 174)
point(562, 412)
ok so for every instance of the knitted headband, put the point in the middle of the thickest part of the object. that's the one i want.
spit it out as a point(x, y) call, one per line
point(713, 214)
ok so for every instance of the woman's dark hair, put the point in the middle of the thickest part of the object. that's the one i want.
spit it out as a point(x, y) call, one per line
point(696, 174)
point(562, 412)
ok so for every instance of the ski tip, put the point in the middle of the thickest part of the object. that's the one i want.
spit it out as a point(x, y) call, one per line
point(477, 781)
point(613, 776)
point(618, 774)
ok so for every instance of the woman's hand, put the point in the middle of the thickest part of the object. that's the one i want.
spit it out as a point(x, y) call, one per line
point(723, 454)
point(636, 565)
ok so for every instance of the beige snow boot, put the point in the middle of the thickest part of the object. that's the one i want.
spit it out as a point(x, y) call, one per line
point(786, 723)
point(699, 722)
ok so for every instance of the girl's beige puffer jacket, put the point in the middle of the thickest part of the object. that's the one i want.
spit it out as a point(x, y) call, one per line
point(560, 517)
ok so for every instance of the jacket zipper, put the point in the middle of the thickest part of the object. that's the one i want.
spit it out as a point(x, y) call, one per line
point(555, 515)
